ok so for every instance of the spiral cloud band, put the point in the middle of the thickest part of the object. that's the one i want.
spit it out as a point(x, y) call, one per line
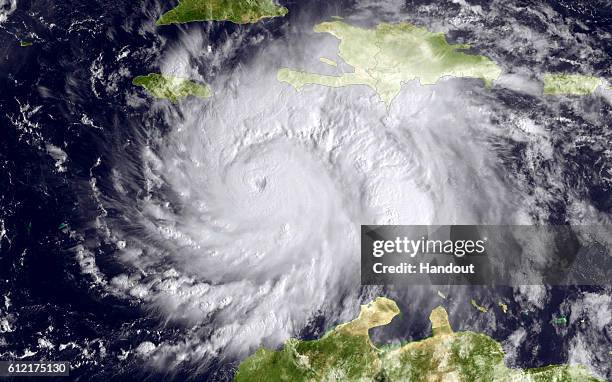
point(250, 220)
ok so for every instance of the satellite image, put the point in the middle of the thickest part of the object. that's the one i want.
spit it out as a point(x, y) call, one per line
point(297, 190)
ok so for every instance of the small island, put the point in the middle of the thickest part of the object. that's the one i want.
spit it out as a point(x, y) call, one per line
point(236, 11)
point(171, 88)
point(570, 84)
point(327, 61)
point(347, 354)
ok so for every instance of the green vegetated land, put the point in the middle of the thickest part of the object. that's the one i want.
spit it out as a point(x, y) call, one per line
point(24, 44)
point(171, 88)
point(236, 11)
point(385, 57)
point(347, 354)
point(570, 84)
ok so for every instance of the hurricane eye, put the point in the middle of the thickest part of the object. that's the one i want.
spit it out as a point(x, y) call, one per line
point(261, 184)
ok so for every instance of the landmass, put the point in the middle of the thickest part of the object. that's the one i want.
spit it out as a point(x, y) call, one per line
point(347, 354)
point(25, 43)
point(479, 307)
point(236, 11)
point(171, 88)
point(570, 84)
point(389, 55)
point(560, 320)
point(327, 61)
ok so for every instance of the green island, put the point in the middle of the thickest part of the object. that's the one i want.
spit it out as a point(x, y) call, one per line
point(347, 354)
point(236, 11)
point(480, 308)
point(570, 84)
point(385, 57)
point(171, 88)
point(24, 44)
point(327, 61)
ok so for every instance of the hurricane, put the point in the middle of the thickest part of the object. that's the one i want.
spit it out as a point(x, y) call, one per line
point(210, 227)
point(250, 215)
